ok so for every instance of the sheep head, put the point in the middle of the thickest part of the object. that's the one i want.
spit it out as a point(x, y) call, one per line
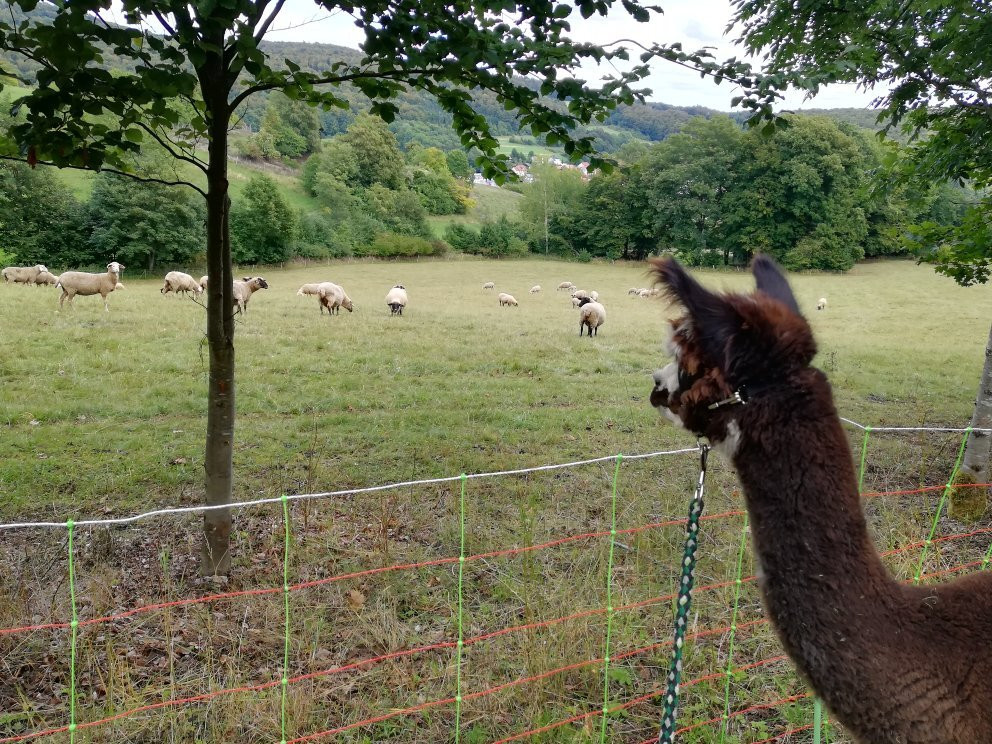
point(115, 268)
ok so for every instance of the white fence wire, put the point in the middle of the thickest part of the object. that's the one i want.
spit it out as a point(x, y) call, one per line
point(421, 482)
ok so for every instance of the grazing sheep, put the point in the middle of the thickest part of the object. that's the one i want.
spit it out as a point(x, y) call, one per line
point(489, 285)
point(46, 277)
point(23, 274)
point(245, 288)
point(310, 289)
point(203, 282)
point(594, 296)
point(118, 286)
point(566, 286)
point(591, 315)
point(576, 302)
point(507, 299)
point(83, 283)
point(633, 291)
point(644, 293)
point(535, 289)
point(333, 297)
point(821, 304)
point(177, 281)
point(396, 299)
point(581, 293)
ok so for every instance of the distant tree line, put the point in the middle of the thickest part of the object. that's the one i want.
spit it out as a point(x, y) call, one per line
point(813, 195)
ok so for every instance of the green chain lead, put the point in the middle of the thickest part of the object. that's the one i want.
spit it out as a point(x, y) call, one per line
point(609, 601)
point(864, 451)
point(460, 644)
point(940, 507)
point(738, 582)
point(683, 604)
point(285, 594)
point(74, 625)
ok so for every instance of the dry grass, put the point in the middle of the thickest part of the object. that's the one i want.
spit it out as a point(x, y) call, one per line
point(103, 414)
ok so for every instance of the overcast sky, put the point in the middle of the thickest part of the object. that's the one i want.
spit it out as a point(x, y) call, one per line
point(696, 23)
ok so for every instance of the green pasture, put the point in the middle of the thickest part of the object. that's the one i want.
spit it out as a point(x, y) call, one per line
point(104, 414)
point(489, 203)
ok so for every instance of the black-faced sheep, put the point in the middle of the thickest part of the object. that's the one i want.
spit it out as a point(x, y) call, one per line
point(821, 304)
point(396, 298)
point(591, 315)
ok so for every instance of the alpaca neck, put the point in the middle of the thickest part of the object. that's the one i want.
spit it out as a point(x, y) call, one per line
point(810, 535)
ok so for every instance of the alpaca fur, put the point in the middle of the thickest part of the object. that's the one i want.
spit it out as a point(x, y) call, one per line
point(896, 663)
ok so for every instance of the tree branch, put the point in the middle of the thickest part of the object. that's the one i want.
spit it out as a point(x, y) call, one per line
point(164, 23)
point(170, 147)
point(260, 32)
point(133, 176)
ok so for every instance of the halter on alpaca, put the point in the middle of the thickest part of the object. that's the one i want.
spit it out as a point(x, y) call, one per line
point(897, 664)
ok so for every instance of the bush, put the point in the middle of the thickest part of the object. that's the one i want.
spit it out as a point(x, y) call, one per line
point(462, 238)
point(393, 245)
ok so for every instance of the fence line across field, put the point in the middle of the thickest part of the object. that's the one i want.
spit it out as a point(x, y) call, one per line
point(421, 482)
point(610, 653)
point(344, 492)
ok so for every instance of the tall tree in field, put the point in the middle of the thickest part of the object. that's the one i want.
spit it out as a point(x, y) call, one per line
point(931, 65)
point(205, 56)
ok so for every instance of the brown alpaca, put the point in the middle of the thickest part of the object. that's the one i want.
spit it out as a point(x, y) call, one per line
point(896, 664)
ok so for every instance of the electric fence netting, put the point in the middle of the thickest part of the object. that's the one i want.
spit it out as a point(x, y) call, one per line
point(525, 605)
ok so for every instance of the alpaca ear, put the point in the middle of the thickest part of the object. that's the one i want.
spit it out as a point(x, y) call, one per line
point(714, 320)
point(772, 282)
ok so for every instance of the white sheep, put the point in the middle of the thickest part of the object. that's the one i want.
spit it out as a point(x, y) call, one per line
point(535, 289)
point(46, 277)
point(83, 283)
point(203, 282)
point(594, 296)
point(489, 285)
point(576, 302)
point(507, 299)
point(581, 293)
point(821, 304)
point(23, 274)
point(245, 288)
point(333, 297)
point(591, 315)
point(633, 291)
point(310, 289)
point(396, 298)
point(644, 293)
point(177, 281)
point(566, 286)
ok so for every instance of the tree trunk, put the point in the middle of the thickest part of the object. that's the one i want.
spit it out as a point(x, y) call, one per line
point(969, 504)
point(218, 458)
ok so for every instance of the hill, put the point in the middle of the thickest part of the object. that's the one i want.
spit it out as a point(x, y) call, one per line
point(420, 119)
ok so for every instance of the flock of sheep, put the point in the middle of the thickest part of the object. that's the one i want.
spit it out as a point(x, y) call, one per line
point(592, 313)
point(71, 283)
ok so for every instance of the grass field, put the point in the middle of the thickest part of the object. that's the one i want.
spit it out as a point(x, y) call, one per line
point(103, 414)
point(489, 204)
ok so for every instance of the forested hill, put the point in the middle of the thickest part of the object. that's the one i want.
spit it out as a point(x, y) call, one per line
point(421, 120)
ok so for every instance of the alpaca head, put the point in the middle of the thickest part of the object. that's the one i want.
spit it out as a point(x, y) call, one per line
point(727, 348)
